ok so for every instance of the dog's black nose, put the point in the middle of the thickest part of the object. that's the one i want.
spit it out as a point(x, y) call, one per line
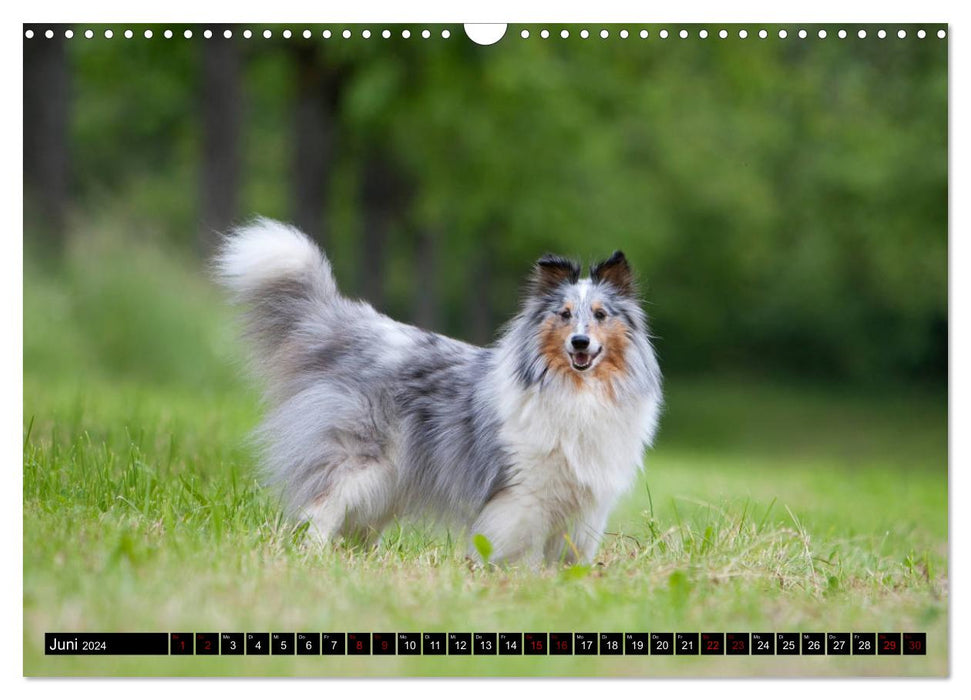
point(580, 342)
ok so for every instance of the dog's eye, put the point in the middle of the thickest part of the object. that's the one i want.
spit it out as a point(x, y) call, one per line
point(600, 314)
point(565, 314)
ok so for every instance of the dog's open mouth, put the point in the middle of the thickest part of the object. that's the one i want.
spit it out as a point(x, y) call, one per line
point(581, 361)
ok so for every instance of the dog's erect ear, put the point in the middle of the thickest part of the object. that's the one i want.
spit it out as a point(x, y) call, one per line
point(615, 271)
point(551, 271)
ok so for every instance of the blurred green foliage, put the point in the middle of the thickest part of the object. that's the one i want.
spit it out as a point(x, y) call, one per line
point(130, 313)
point(784, 201)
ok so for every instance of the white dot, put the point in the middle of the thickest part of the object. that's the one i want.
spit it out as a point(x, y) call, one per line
point(723, 34)
point(683, 34)
point(228, 34)
point(446, 34)
point(247, 33)
point(346, 33)
point(763, 34)
point(49, 33)
point(802, 34)
point(287, 33)
point(821, 34)
point(604, 33)
point(69, 34)
point(783, 33)
point(187, 33)
point(109, 33)
point(882, 34)
point(168, 33)
point(565, 34)
point(524, 34)
point(307, 34)
point(663, 34)
point(584, 33)
point(405, 34)
point(386, 33)
point(326, 34)
point(921, 33)
point(88, 34)
point(366, 33)
point(624, 34)
point(644, 34)
point(545, 34)
point(841, 33)
point(703, 33)
point(29, 34)
point(207, 34)
point(742, 34)
point(425, 34)
point(901, 34)
point(941, 34)
point(861, 33)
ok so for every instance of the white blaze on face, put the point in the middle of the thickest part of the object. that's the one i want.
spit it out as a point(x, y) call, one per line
point(583, 291)
point(583, 360)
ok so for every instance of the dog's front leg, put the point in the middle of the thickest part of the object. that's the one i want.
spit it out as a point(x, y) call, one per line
point(580, 543)
point(514, 522)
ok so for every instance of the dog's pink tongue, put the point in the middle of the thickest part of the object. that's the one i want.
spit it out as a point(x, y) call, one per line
point(581, 358)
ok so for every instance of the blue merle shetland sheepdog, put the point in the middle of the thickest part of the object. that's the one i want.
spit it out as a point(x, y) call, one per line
point(529, 442)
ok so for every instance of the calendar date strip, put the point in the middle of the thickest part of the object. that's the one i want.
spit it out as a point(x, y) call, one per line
point(486, 643)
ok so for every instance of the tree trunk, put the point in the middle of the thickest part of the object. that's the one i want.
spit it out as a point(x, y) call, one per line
point(315, 135)
point(383, 203)
point(427, 289)
point(46, 109)
point(222, 119)
point(480, 298)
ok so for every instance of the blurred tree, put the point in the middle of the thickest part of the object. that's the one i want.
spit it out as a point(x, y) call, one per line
point(222, 121)
point(319, 85)
point(480, 312)
point(384, 200)
point(46, 149)
point(427, 308)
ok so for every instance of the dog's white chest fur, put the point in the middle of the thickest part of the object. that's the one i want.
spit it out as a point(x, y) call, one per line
point(573, 454)
point(574, 440)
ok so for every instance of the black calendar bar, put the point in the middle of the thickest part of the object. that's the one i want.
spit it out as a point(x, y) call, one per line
point(634, 644)
point(106, 643)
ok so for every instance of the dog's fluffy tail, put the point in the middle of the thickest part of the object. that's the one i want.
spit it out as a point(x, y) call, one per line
point(278, 275)
point(265, 254)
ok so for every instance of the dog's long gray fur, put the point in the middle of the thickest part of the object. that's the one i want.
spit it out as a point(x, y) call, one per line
point(347, 388)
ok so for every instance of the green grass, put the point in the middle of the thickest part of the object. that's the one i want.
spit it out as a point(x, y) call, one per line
point(764, 507)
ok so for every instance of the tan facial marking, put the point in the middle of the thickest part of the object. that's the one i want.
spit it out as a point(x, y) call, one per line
point(612, 335)
point(553, 338)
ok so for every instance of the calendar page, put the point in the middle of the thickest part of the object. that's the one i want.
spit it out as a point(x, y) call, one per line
point(379, 349)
